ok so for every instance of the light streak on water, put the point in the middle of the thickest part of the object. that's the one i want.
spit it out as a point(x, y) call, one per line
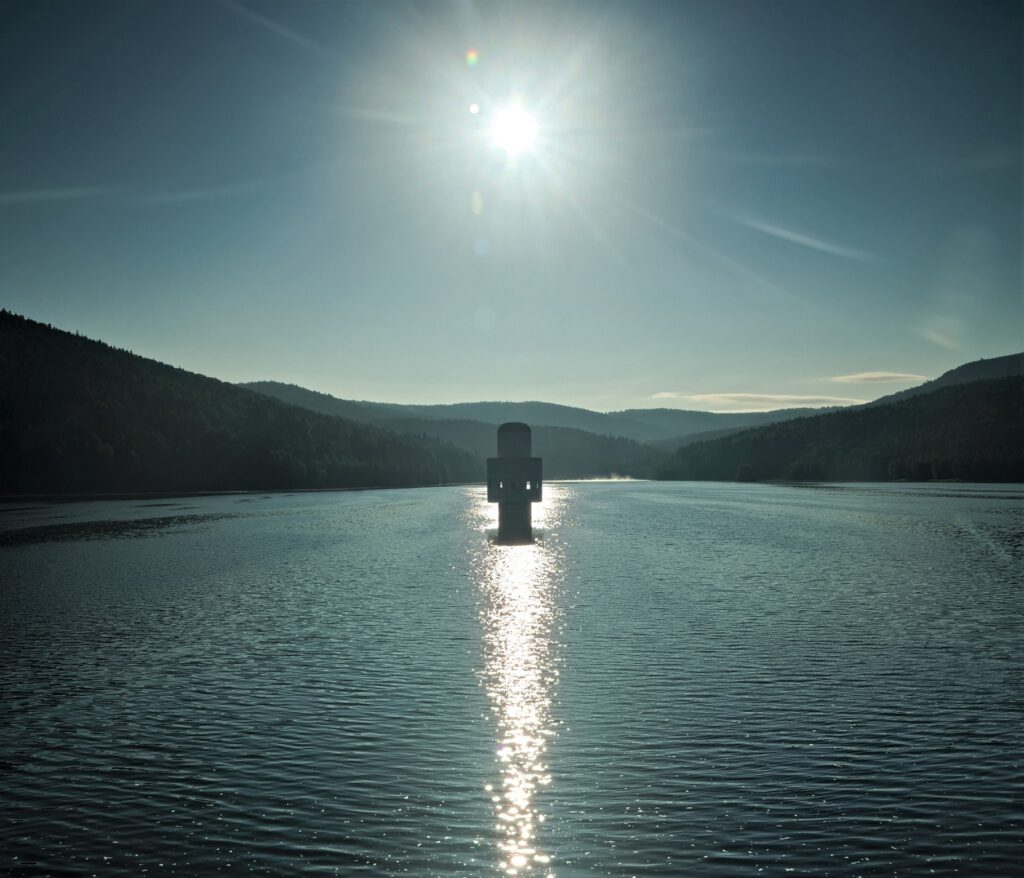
point(519, 619)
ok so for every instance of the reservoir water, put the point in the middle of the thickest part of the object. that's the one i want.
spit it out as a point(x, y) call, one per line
point(674, 679)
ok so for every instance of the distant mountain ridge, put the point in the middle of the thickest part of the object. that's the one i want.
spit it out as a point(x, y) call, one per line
point(568, 452)
point(533, 413)
point(614, 442)
point(664, 428)
point(640, 425)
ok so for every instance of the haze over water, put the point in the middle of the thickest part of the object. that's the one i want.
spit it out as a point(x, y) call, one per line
point(676, 678)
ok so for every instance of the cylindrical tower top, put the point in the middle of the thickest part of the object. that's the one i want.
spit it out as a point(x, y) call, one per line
point(514, 440)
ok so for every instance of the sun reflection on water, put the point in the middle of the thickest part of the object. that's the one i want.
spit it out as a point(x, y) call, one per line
point(519, 618)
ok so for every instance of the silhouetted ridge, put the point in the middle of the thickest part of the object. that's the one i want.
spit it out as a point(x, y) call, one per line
point(77, 415)
point(972, 432)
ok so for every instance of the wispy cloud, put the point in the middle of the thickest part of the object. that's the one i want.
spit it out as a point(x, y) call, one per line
point(803, 240)
point(210, 193)
point(878, 378)
point(777, 160)
point(276, 27)
point(710, 252)
point(755, 402)
point(996, 158)
point(128, 196)
point(942, 331)
point(37, 196)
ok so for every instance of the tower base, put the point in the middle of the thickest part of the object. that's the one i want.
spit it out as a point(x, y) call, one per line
point(514, 523)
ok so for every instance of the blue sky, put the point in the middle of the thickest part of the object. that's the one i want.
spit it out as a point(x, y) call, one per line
point(726, 205)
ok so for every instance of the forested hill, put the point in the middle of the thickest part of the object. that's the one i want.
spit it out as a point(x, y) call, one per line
point(568, 453)
point(77, 415)
point(973, 432)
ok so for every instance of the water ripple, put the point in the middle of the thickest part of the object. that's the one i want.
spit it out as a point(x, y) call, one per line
point(674, 679)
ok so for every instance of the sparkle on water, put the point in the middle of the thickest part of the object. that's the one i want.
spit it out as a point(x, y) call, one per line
point(518, 614)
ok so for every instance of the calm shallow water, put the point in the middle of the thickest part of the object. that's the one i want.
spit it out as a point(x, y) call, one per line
point(698, 679)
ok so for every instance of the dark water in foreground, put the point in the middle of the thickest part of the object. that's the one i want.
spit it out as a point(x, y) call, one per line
point(676, 679)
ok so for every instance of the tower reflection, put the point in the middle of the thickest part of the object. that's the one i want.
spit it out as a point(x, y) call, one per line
point(519, 614)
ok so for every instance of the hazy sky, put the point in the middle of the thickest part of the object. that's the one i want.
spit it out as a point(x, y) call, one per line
point(726, 205)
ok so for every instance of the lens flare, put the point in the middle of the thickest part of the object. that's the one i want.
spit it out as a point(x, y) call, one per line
point(472, 57)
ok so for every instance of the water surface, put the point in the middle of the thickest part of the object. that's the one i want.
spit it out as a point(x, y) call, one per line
point(674, 679)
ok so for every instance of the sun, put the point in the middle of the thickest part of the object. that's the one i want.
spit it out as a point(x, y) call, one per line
point(514, 130)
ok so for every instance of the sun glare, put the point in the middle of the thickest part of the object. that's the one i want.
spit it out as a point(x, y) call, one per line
point(514, 130)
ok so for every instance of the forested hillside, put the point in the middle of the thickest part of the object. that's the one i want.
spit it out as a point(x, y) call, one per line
point(568, 453)
point(973, 432)
point(77, 415)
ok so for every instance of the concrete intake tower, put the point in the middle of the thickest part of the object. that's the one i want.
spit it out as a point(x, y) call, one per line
point(514, 482)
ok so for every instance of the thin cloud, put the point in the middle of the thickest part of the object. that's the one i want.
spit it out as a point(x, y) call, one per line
point(754, 402)
point(677, 233)
point(805, 240)
point(878, 378)
point(179, 196)
point(999, 159)
point(777, 160)
point(276, 28)
point(942, 331)
point(211, 193)
point(995, 159)
point(39, 196)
